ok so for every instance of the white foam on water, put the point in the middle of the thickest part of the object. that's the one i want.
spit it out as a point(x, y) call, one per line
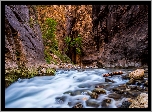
point(41, 92)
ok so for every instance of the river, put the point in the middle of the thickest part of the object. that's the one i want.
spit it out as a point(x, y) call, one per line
point(63, 90)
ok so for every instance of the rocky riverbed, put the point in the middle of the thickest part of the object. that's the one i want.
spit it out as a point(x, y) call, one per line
point(80, 88)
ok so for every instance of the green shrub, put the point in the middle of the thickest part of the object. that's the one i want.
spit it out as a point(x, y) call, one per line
point(48, 32)
point(75, 43)
point(78, 41)
point(78, 50)
point(13, 75)
point(67, 40)
point(49, 28)
point(50, 42)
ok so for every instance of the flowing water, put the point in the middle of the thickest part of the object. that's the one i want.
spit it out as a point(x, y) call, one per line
point(63, 90)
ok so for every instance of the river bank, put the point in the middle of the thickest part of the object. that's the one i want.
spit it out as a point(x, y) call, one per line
point(12, 74)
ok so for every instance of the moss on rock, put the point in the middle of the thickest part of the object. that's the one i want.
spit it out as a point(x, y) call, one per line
point(12, 75)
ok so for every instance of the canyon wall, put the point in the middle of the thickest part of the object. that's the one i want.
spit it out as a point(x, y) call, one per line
point(112, 35)
point(23, 39)
point(72, 20)
point(121, 34)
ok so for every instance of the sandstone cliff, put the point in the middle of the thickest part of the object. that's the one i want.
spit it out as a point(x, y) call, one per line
point(112, 35)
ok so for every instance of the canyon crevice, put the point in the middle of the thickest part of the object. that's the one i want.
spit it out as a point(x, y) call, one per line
point(112, 35)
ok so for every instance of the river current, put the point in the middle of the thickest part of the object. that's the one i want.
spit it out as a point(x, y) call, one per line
point(63, 90)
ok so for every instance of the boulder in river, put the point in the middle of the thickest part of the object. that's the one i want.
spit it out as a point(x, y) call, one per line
point(125, 104)
point(137, 74)
point(105, 103)
point(131, 81)
point(118, 91)
point(78, 105)
point(99, 91)
point(146, 83)
point(60, 100)
point(140, 102)
point(108, 80)
point(92, 103)
point(114, 96)
point(125, 76)
point(93, 95)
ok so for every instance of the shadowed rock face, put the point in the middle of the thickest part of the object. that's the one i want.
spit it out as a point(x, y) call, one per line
point(116, 35)
point(23, 41)
point(112, 35)
point(121, 35)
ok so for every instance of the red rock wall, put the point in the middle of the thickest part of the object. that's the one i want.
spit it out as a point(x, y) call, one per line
point(112, 35)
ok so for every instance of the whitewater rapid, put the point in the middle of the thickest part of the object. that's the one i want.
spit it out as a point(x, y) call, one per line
point(53, 91)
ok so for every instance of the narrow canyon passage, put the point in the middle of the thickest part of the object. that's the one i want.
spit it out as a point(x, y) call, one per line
point(76, 56)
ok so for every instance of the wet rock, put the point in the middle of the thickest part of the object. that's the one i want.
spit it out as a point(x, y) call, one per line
point(68, 92)
point(78, 105)
point(132, 94)
point(122, 86)
point(99, 91)
point(140, 102)
point(146, 70)
point(131, 81)
point(128, 99)
point(125, 104)
point(140, 88)
point(104, 85)
point(61, 100)
point(105, 103)
point(137, 74)
point(76, 92)
point(138, 82)
point(146, 75)
point(84, 85)
point(108, 80)
point(132, 87)
point(117, 73)
point(113, 73)
point(99, 86)
point(146, 83)
point(146, 89)
point(114, 96)
point(93, 95)
point(125, 76)
point(117, 90)
point(106, 75)
point(93, 103)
